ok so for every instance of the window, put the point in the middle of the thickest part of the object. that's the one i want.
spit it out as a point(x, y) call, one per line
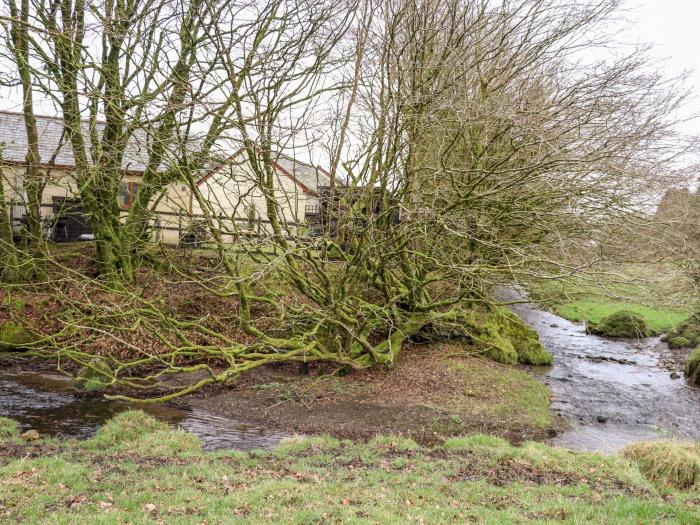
point(126, 193)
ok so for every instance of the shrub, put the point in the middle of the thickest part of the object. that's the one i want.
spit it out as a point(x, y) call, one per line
point(668, 463)
point(621, 324)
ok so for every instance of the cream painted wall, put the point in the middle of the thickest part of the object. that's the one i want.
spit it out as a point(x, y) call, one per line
point(172, 209)
point(232, 191)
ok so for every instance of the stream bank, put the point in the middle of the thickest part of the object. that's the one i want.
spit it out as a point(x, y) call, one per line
point(612, 391)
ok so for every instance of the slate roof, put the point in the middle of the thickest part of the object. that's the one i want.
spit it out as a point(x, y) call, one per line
point(310, 176)
point(53, 142)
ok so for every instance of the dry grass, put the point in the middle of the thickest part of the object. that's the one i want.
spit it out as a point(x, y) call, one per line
point(668, 463)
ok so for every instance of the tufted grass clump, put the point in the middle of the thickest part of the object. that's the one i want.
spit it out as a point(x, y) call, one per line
point(8, 429)
point(135, 431)
point(667, 463)
point(686, 334)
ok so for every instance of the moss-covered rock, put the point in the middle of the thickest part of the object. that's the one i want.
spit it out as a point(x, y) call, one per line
point(621, 324)
point(502, 336)
point(13, 336)
point(686, 334)
point(679, 342)
point(667, 463)
point(96, 375)
point(692, 366)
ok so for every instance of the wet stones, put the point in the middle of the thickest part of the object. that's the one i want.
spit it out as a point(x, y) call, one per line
point(604, 358)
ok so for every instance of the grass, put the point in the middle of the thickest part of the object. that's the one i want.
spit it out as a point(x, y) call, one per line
point(503, 392)
point(657, 295)
point(669, 463)
point(476, 479)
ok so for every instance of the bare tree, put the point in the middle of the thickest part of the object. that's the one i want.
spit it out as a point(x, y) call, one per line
point(479, 142)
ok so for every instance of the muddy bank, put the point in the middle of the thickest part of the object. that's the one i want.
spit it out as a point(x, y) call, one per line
point(433, 392)
point(429, 395)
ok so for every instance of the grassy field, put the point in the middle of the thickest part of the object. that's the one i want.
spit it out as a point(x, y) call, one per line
point(136, 470)
point(657, 294)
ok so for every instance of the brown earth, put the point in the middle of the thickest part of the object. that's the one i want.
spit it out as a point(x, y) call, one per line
point(433, 391)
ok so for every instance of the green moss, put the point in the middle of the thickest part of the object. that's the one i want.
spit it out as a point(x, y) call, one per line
point(502, 336)
point(96, 375)
point(8, 428)
point(667, 463)
point(13, 336)
point(679, 342)
point(692, 366)
point(687, 332)
point(621, 324)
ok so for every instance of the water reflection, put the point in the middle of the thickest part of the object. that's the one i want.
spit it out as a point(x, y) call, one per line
point(48, 404)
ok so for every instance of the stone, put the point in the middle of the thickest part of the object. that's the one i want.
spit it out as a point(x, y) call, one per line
point(96, 376)
point(31, 435)
point(13, 336)
point(601, 419)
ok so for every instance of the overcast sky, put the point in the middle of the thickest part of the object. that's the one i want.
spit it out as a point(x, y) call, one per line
point(673, 26)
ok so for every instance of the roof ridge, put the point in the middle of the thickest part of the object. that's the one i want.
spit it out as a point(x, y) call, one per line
point(45, 117)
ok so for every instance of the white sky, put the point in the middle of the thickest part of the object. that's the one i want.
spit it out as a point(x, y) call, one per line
point(673, 26)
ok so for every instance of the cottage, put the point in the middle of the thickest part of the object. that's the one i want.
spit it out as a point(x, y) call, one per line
point(232, 196)
point(229, 192)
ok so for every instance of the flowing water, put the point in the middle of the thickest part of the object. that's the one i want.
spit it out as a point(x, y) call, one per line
point(611, 391)
point(48, 404)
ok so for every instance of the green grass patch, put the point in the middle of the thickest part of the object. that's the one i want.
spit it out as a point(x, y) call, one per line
point(476, 479)
point(501, 393)
point(594, 309)
point(650, 292)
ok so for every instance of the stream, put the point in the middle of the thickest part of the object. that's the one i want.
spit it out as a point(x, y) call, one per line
point(47, 404)
point(609, 392)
